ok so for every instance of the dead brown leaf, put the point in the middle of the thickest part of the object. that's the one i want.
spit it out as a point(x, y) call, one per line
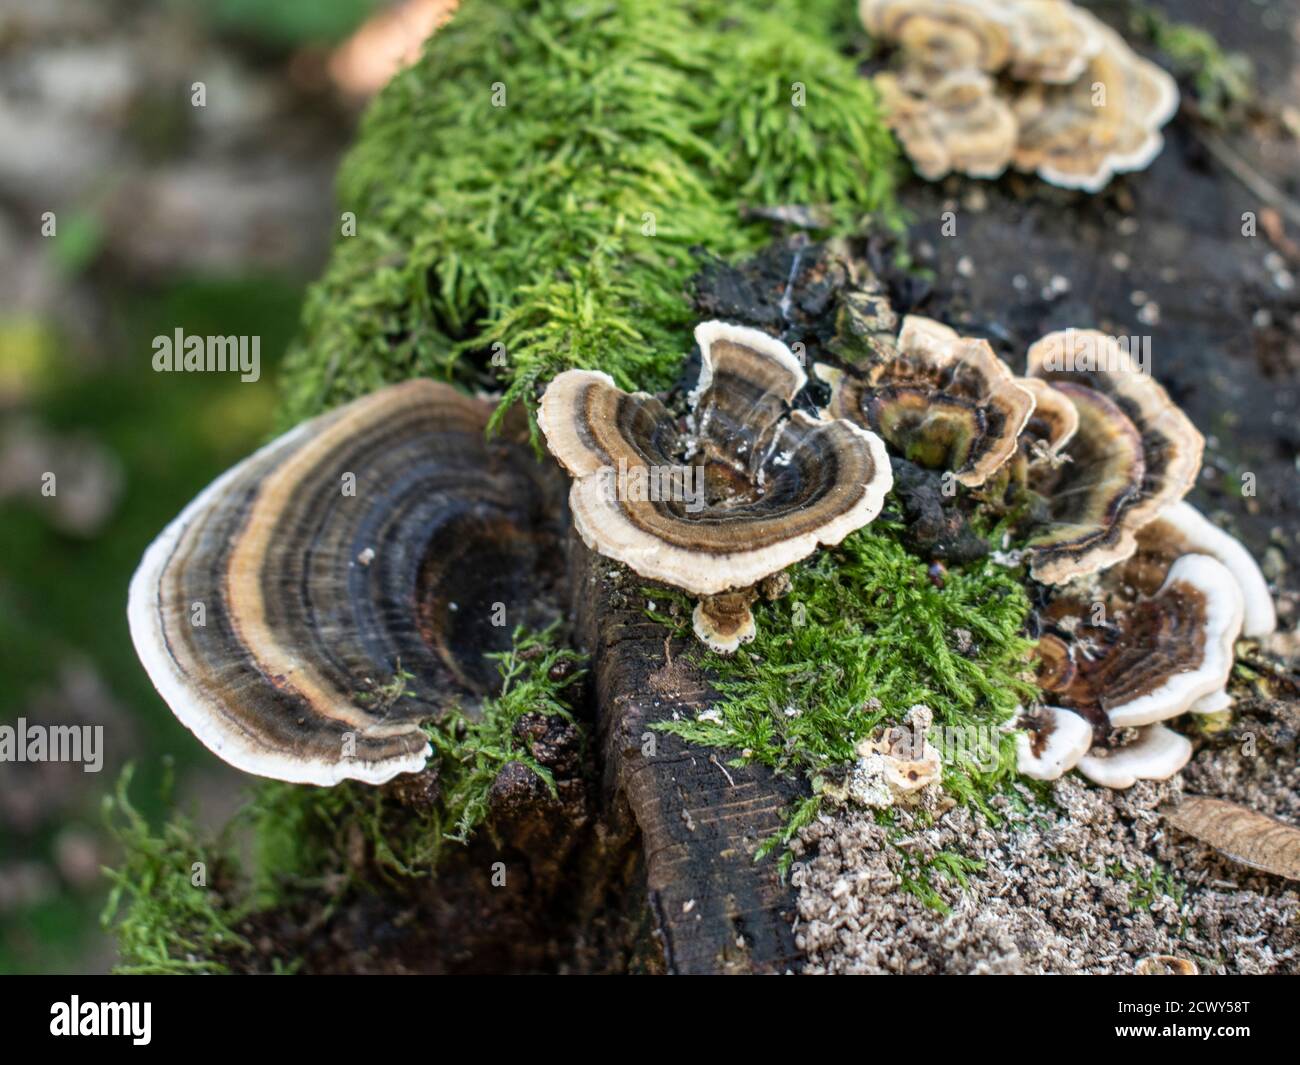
point(1245, 836)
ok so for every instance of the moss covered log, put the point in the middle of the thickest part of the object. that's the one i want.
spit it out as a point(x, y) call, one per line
point(526, 197)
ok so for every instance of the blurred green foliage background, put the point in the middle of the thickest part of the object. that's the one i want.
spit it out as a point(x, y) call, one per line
point(147, 241)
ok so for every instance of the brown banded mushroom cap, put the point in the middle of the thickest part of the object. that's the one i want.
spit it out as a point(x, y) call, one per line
point(1106, 122)
point(955, 123)
point(942, 35)
point(1157, 753)
point(1051, 743)
point(1052, 41)
point(302, 630)
point(1085, 526)
point(1073, 102)
point(1182, 529)
point(1148, 657)
point(1171, 445)
point(1201, 589)
point(943, 401)
point(1054, 419)
point(1134, 454)
point(767, 487)
point(909, 762)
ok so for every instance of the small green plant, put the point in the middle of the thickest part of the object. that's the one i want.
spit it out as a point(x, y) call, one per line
point(387, 694)
point(1147, 887)
point(535, 676)
point(1223, 80)
point(916, 876)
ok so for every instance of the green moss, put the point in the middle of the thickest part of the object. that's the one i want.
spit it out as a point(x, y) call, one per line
point(535, 678)
point(863, 636)
point(916, 875)
point(1223, 80)
point(512, 242)
point(303, 835)
point(1145, 888)
point(170, 902)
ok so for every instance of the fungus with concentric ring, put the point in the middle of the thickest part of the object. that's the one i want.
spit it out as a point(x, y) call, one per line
point(942, 35)
point(744, 489)
point(941, 400)
point(1145, 641)
point(1133, 453)
point(956, 122)
point(1106, 122)
point(315, 604)
point(1042, 85)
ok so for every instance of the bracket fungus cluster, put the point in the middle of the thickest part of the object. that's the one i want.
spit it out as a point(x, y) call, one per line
point(1142, 598)
point(729, 497)
point(1131, 454)
point(313, 607)
point(321, 599)
point(1040, 85)
point(1148, 597)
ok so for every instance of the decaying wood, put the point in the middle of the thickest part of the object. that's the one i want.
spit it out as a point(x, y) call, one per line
point(1245, 836)
point(717, 910)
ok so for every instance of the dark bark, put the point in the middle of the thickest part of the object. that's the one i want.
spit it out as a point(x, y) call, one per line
point(700, 821)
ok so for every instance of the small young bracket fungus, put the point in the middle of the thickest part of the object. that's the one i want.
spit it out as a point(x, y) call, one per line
point(943, 401)
point(1071, 101)
point(1107, 122)
point(314, 604)
point(1133, 454)
point(896, 765)
point(751, 490)
point(1156, 754)
point(1052, 743)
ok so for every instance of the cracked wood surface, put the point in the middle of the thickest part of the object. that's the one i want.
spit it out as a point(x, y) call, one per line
point(700, 820)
